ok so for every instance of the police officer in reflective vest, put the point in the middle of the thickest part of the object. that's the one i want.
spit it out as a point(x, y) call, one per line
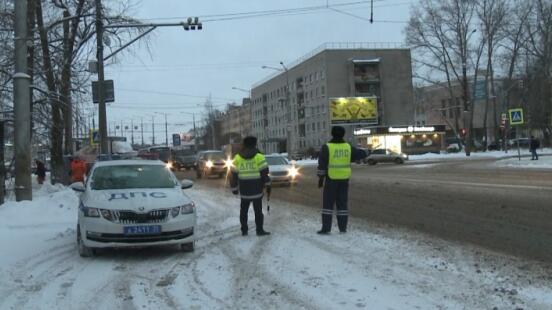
point(249, 178)
point(334, 171)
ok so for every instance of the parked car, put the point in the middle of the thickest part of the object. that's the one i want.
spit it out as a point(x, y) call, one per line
point(133, 203)
point(212, 163)
point(523, 143)
point(385, 156)
point(281, 171)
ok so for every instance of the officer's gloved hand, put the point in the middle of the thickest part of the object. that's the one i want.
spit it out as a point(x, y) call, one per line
point(320, 182)
point(235, 192)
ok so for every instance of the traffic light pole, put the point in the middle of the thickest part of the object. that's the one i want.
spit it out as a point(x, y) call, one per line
point(191, 24)
point(102, 114)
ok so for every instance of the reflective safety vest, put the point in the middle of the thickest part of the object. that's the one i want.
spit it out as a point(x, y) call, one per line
point(249, 169)
point(339, 163)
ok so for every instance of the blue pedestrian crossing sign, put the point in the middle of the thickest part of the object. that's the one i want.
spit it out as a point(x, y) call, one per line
point(516, 116)
point(94, 136)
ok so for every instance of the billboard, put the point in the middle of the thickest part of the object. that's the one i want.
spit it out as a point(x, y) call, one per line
point(354, 110)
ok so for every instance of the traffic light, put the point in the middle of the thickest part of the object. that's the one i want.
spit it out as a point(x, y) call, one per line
point(192, 24)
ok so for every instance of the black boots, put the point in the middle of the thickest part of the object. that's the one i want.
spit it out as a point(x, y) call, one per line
point(323, 232)
point(262, 233)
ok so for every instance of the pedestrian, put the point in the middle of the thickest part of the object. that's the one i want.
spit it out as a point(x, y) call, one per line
point(535, 144)
point(78, 169)
point(249, 178)
point(40, 171)
point(334, 171)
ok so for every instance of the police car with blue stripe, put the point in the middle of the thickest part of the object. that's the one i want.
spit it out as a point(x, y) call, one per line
point(133, 203)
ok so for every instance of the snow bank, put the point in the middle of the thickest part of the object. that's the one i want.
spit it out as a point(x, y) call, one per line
point(26, 225)
point(544, 162)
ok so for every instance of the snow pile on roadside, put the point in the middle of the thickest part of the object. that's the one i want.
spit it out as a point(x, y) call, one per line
point(544, 162)
point(462, 155)
point(26, 225)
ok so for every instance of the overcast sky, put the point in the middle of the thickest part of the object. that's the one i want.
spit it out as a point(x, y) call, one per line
point(182, 67)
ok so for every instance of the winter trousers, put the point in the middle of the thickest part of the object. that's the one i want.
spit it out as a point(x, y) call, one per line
point(335, 192)
point(257, 207)
point(534, 155)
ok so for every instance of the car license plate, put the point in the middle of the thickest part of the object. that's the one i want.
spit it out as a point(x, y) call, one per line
point(142, 230)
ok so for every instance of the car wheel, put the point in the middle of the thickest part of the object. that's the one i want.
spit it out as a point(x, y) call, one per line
point(84, 251)
point(371, 162)
point(399, 161)
point(188, 247)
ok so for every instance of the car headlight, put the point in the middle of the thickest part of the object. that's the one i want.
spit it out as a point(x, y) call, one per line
point(209, 164)
point(89, 212)
point(175, 211)
point(228, 163)
point(187, 208)
point(293, 172)
point(169, 165)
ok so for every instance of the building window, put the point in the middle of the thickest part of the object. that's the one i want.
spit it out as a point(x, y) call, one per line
point(322, 90)
point(443, 108)
point(322, 74)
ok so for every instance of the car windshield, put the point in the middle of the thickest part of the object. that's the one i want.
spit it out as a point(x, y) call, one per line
point(188, 152)
point(132, 176)
point(276, 160)
point(164, 153)
point(214, 156)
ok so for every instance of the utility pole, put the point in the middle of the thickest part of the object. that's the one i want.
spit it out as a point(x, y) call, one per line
point(22, 109)
point(166, 131)
point(102, 114)
point(152, 130)
point(131, 131)
point(195, 133)
point(142, 129)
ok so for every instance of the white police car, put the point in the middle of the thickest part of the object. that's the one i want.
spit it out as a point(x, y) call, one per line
point(133, 203)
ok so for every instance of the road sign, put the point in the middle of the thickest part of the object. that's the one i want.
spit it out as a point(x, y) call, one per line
point(480, 90)
point(94, 136)
point(176, 139)
point(109, 92)
point(516, 116)
point(354, 110)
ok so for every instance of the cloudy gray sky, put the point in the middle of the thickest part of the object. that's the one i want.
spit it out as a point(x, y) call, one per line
point(182, 68)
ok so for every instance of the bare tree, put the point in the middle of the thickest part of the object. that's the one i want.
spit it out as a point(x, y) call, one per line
point(492, 16)
point(441, 35)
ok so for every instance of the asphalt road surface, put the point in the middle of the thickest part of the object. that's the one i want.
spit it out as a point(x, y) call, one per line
point(504, 209)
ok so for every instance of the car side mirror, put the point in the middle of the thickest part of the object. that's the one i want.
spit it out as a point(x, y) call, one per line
point(77, 187)
point(185, 184)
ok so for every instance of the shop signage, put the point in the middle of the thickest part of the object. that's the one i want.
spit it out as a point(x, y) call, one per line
point(411, 129)
point(399, 130)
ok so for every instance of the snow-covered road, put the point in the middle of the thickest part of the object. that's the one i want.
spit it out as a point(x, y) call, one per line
point(372, 267)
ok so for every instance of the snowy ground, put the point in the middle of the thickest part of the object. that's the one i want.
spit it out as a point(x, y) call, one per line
point(455, 156)
point(544, 162)
point(371, 267)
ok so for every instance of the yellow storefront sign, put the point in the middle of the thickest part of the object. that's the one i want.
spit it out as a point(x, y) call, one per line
point(354, 110)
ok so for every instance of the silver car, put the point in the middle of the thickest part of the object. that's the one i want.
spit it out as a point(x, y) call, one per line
point(385, 156)
point(281, 171)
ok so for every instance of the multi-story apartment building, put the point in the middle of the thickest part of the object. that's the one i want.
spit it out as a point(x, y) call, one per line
point(235, 122)
point(298, 120)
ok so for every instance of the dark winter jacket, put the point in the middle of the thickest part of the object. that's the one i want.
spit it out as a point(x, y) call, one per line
point(535, 144)
point(323, 160)
point(249, 188)
point(40, 169)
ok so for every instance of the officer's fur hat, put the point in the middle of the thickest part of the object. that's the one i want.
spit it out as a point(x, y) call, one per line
point(250, 142)
point(338, 132)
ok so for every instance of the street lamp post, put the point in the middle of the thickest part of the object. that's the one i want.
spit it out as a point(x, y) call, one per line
point(166, 128)
point(195, 130)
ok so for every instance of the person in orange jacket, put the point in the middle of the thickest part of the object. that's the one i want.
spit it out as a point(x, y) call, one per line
point(78, 170)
